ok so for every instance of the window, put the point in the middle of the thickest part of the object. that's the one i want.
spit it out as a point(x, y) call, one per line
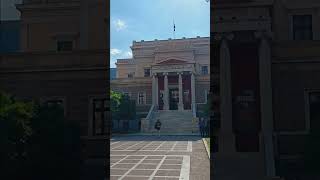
point(141, 98)
point(99, 116)
point(314, 113)
point(247, 142)
point(302, 27)
point(204, 70)
point(64, 46)
point(127, 94)
point(147, 72)
point(131, 75)
point(205, 96)
point(58, 102)
point(55, 101)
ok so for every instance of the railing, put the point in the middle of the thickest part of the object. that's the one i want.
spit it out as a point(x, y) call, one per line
point(194, 110)
point(148, 120)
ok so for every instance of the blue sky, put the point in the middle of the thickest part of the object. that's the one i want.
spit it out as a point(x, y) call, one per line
point(153, 19)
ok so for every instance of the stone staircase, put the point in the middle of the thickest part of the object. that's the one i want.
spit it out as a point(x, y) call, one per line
point(173, 121)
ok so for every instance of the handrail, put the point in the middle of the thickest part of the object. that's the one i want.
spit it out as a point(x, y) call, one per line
point(194, 110)
point(150, 112)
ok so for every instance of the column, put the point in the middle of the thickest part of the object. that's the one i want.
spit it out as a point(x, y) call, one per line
point(266, 101)
point(193, 93)
point(180, 106)
point(153, 89)
point(157, 93)
point(166, 92)
point(226, 136)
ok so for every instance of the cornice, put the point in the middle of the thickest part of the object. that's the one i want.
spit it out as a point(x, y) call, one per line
point(49, 6)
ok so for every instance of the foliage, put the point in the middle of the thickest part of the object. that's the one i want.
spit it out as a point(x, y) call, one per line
point(37, 142)
point(115, 99)
point(15, 129)
point(121, 106)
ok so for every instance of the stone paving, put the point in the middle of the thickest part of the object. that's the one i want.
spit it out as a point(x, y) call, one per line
point(158, 158)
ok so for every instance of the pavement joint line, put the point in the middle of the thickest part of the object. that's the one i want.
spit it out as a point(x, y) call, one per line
point(159, 146)
point(118, 161)
point(168, 176)
point(143, 147)
point(125, 174)
point(158, 166)
point(185, 169)
point(153, 150)
point(120, 145)
point(134, 145)
point(189, 146)
point(174, 145)
point(114, 142)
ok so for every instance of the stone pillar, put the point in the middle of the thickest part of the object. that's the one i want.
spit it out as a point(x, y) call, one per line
point(193, 91)
point(166, 93)
point(180, 106)
point(157, 93)
point(266, 101)
point(226, 136)
point(153, 89)
point(84, 24)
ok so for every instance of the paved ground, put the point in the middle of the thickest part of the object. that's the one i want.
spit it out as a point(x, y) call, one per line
point(158, 158)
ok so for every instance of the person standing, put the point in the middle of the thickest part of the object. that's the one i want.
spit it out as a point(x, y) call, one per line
point(158, 126)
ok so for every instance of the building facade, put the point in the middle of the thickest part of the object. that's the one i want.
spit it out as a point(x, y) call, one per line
point(62, 59)
point(267, 59)
point(167, 76)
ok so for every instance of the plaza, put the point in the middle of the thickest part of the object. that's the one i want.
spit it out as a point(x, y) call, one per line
point(153, 157)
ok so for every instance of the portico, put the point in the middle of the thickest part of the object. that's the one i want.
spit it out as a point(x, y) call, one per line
point(173, 87)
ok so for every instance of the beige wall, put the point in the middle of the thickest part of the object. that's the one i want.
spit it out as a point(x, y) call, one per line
point(145, 54)
point(82, 21)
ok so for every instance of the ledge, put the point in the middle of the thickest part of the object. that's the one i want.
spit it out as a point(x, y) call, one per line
point(206, 146)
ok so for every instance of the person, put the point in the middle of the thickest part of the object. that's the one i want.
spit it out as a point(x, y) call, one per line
point(158, 126)
point(201, 127)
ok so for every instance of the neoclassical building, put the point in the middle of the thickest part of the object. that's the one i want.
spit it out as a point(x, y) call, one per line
point(167, 78)
point(266, 54)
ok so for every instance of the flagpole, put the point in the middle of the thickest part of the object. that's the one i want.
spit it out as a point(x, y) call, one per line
point(174, 30)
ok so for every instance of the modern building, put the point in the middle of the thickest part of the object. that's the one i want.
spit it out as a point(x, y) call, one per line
point(169, 79)
point(267, 59)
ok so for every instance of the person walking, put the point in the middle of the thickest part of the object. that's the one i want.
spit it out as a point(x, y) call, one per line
point(157, 126)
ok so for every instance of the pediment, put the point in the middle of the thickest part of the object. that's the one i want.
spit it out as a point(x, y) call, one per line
point(173, 61)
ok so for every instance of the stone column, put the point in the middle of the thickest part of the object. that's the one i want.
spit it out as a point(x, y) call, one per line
point(166, 92)
point(193, 91)
point(153, 89)
point(180, 106)
point(266, 101)
point(157, 93)
point(226, 138)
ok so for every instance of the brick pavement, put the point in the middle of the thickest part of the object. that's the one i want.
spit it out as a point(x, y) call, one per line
point(157, 158)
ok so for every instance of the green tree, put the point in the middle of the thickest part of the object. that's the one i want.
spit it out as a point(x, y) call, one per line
point(15, 129)
point(37, 142)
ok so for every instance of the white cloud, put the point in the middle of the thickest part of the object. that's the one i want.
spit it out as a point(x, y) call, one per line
point(128, 54)
point(119, 24)
point(115, 52)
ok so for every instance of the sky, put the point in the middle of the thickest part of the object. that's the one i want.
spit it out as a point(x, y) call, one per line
point(153, 19)
point(8, 10)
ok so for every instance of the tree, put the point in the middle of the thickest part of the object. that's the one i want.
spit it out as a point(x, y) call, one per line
point(36, 142)
point(15, 129)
